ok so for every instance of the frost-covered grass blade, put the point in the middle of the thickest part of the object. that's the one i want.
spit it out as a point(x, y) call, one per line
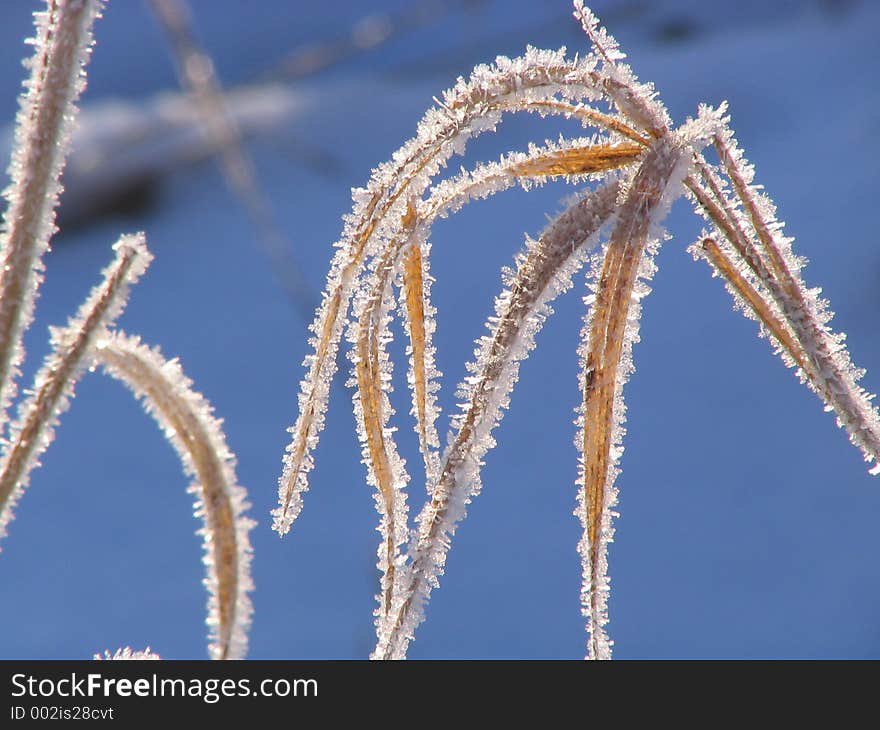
point(72, 349)
point(187, 419)
point(47, 111)
point(611, 329)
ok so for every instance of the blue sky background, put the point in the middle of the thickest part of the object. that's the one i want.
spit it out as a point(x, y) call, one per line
point(748, 523)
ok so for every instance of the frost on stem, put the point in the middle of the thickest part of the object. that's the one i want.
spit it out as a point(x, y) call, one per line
point(43, 127)
point(829, 370)
point(187, 420)
point(610, 330)
point(386, 470)
point(543, 272)
point(72, 350)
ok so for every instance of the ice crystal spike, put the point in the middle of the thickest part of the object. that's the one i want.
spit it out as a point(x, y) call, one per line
point(72, 351)
point(42, 132)
point(603, 43)
point(187, 419)
point(644, 163)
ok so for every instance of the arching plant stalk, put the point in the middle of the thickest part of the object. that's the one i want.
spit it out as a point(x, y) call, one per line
point(188, 421)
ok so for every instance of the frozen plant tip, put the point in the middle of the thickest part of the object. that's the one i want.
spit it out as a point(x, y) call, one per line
point(642, 164)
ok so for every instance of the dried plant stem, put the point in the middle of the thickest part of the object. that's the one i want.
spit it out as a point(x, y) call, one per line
point(611, 331)
point(580, 160)
point(543, 273)
point(196, 72)
point(198, 439)
point(414, 296)
point(372, 408)
point(42, 133)
point(53, 384)
point(832, 375)
point(756, 300)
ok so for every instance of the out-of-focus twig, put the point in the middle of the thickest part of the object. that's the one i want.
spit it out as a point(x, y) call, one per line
point(196, 72)
point(369, 32)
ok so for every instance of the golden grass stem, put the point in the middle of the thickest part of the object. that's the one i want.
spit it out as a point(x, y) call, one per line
point(609, 338)
point(413, 294)
point(580, 160)
point(832, 375)
point(380, 452)
point(757, 302)
point(221, 502)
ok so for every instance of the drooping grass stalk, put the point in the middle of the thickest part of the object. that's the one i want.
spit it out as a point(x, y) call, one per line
point(543, 272)
point(72, 350)
point(610, 331)
point(186, 417)
point(832, 375)
point(385, 242)
point(43, 127)
point(385, 469)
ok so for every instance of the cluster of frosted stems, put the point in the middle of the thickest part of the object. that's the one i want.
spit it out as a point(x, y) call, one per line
point(639, 164)
point(636, 164)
